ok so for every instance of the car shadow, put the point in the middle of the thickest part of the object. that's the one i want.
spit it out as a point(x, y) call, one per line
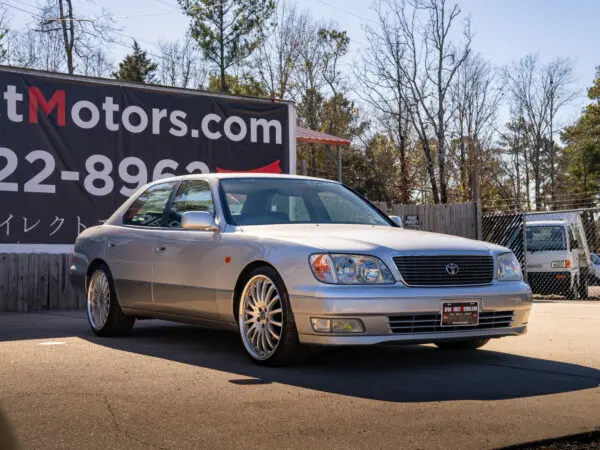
point(394, 373)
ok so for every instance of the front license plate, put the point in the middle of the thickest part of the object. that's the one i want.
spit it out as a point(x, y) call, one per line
point(460, 313)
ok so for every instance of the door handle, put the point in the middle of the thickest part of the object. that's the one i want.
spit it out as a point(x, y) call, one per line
point(160, 249)
point(111, 244)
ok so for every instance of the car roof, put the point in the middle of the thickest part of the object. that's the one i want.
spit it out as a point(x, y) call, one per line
point(224, 176)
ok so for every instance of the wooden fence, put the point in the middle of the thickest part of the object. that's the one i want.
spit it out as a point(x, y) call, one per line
point(460, 219)
point(36, 282)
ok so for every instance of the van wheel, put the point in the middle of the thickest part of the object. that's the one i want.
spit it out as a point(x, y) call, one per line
point(583, 290)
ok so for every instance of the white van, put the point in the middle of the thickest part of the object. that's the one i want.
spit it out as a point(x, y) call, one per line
point(557, 255)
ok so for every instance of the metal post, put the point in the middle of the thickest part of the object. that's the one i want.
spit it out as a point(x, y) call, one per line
point(339, 164)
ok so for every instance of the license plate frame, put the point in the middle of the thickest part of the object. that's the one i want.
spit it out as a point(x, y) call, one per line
point(460, 318)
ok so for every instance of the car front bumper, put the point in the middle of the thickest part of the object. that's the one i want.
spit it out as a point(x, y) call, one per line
point(374, 305)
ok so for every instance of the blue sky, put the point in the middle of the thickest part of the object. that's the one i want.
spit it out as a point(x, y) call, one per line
point(504, 29)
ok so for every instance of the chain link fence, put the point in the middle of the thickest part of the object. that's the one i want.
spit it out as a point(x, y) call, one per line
point(557, 249)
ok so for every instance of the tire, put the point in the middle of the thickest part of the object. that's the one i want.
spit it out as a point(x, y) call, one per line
point(583, 290)
point(467, 344)
point(265, 319)
point(104, 314)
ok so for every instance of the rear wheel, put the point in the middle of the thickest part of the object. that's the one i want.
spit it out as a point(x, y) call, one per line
point(466, 344)
point(104, 313)
point(266, 321)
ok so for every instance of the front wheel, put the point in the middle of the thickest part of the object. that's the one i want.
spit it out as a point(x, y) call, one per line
point(266, 321)
point(104, 313)
point(466, 344)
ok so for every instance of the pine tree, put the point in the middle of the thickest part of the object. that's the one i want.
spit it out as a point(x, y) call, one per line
point(137, 67)
point(228, 31)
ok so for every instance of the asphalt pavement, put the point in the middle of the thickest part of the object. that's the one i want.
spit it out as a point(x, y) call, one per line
point(177, 386)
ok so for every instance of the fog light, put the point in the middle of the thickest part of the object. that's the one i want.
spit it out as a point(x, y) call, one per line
point(337, 325)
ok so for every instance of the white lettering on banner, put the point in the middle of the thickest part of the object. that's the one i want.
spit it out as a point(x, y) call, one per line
point(206, 126)
point(103, 175)
point(87, 115)
point(35, 183)
point(197, 165)
point(98, 180)
point(110, 108)
point(76, 114)
point(266, 127)
point(11, 165)
point(140, 178)
point(157, 116)
point(229, 132)
point(143, 118)
point(12, 97)
point(177, 121)
point(161, 166)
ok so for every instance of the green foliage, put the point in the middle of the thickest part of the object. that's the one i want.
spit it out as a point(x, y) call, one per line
point(239, 85)
point(228, 31)
point(137, 67)
point(583, 145)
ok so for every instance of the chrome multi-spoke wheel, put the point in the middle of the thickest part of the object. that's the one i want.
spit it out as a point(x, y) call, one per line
point(98, 300)
point(104, 312)
point(261, 317)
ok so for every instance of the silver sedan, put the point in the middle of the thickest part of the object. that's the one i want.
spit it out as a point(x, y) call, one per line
point(288, 261)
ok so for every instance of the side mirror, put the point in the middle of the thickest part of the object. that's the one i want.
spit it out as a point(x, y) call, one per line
point(198, 220)
point(397, 220)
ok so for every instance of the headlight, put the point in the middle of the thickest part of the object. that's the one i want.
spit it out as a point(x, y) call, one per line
point(508, 268)
point(562, 264)
point(349, 269)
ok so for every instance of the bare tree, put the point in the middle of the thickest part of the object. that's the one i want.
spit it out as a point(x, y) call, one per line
point(34, 50)
point(78, 36)
point(538, 92)
point(96, 64)
point(432, 60)
point(279, 57)
point(476, 99)
point(181, 64)
point(383, 84)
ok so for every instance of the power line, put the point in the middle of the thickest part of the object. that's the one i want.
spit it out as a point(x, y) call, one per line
point(337, 8)
point(19, 9)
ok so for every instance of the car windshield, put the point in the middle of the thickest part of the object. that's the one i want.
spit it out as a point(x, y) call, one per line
point(266, 201)
point(595, 259)
point(546, 238)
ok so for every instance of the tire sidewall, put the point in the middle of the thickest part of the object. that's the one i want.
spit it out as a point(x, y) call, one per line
point(289, 327)
point(113, 299)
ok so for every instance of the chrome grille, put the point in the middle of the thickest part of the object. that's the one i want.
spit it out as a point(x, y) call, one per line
point(431, 270)
point(431, 323)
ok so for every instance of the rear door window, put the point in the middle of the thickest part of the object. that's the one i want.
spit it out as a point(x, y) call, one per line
point(148, 209)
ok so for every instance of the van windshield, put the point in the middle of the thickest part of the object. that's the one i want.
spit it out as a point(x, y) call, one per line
point(546, 238)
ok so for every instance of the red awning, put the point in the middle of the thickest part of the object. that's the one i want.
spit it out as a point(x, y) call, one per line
point(316, 137)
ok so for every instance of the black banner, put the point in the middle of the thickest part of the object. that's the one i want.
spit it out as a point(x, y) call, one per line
point(72, 150)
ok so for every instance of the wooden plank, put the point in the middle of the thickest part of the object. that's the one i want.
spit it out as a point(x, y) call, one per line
point(53, 281)
point(13, 279)
point(42, 286)
point(22, 282)
point(63, 300)
point(33, 263)
point(3, 282)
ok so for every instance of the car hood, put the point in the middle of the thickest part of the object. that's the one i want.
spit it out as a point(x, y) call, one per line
point(365, 238)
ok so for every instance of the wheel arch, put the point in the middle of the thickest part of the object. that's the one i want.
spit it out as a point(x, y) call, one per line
point(239, 284)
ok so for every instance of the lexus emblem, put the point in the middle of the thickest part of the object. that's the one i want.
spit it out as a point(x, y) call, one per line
point(452, 269)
